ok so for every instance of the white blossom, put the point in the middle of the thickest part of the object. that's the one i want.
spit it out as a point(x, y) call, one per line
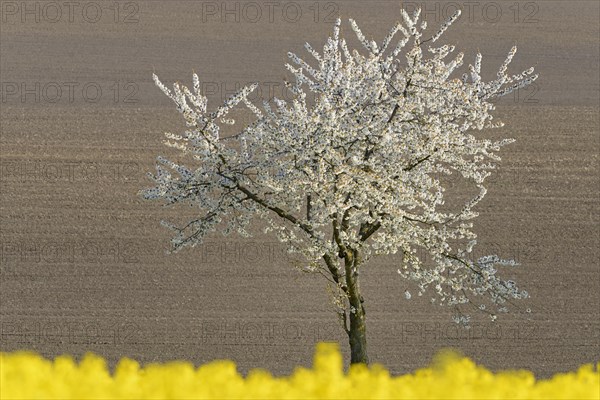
point(358, 169)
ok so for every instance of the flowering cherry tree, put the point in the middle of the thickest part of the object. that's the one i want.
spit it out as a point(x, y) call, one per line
point(355, 169)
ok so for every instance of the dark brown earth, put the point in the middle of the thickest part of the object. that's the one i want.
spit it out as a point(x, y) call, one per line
point(83, 257)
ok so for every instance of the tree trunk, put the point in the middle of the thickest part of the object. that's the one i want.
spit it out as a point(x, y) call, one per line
point(357, 332)
point(358, 337)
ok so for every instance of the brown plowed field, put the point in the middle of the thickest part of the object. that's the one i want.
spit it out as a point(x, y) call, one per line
point(83, 257)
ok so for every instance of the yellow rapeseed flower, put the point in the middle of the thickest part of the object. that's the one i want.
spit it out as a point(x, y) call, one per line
point(26, 375)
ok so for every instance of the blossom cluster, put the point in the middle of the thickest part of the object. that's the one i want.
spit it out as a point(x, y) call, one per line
point(356, 165)
point(27, 376)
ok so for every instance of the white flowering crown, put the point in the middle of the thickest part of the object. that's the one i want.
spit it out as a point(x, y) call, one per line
point(357, 166)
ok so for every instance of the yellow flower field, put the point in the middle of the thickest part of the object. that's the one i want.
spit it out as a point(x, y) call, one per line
point(26, 375)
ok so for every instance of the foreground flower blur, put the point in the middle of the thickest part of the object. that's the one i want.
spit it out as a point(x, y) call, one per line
point(25, 375)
